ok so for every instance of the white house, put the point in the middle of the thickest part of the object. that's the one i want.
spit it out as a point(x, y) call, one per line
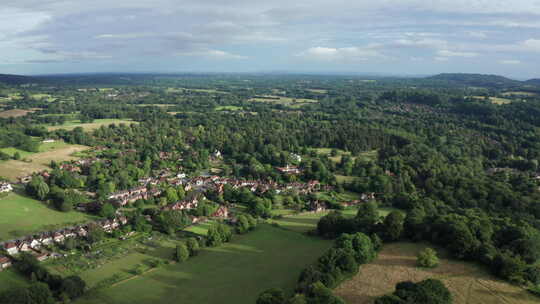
point(5, 187)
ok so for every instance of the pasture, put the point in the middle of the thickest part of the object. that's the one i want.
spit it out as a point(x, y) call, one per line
point(35, 162)
point(286, 101)
point(469, 283)
point(21, 216)
point(96, 124)
point(9, 279)
point(15, 113)
point(234, 273)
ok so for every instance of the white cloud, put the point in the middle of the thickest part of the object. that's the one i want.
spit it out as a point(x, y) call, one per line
point(345, 54)
point(476, 34)
point(531, 44)
point(447, 53)
point(510, 62)
point(215, 54)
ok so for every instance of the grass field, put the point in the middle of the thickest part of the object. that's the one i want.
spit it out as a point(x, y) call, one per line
point(21, 216)
point(317, 91)
point(494, 100)
point(367, 156)
point(14, 113)
point(70, 125)
point(57, 151)
point(233, 273)
point(286, 101)
point(201, 228)
point(9, 279)
point(228, 108)
point(469, 283)
point(519, 93)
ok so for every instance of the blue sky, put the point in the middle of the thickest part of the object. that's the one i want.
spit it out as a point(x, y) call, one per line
point(385, 36)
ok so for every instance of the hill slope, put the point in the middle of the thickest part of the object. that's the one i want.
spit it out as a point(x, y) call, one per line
point(15, 79)
point(477, 80)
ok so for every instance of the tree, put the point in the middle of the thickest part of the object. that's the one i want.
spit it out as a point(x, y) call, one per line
point(193, 246)
point(182, 253)
point(73, 286)
point(39, 293)
point(367, 216)
point(95, 233)
point(272, 296)
point(427, 258)
point(320, 294)
point(393, 225)
point(17, 155)
point(107, 210)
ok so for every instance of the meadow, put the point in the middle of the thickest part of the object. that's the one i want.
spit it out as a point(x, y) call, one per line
point(35, 162)
point(235, 272)
point(469, 283)
point(15, 113)
point(21, 216)
point(286, 101)
point(97, 123)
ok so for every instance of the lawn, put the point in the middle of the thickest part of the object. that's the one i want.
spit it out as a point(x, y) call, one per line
point(21, 216)
point(201, 228)
point(57, 151)
point(97, 123)
point(9, 279)
point(233, 273)
point(469, 283)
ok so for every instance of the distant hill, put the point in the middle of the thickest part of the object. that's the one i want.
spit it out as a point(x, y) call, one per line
point(535, 82)
point(477, 80)
point(15, 79)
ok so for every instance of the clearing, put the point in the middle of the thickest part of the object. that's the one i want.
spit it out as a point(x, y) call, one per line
point(35, 162)
point(96, 124)
point(15, 113)
point(234, 273)
point(468, 282)
point(22, 216)
point(286, 101)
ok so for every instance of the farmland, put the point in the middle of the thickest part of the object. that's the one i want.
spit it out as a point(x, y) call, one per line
point(90, 126)
point(286, 101)
point(22, 216)
point(235, 272)
point(468, 283)
point(34, 162)
point(14, 113)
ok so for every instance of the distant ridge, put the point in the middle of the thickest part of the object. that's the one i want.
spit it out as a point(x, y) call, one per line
point(477, 80)
point(535, 81)
point(15, 79)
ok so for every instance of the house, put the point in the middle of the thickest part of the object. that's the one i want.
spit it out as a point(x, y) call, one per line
point(222, 212)
point(317, 206)
point(5, 187)
point(289, 170)
point(5, 262)
point(11, 248)
point(42, 256)
point(23, 246)
point(216, 154)
point(123, 220)
point(34, 243)
point(58, 237)
point(81, 231)
point(296, 157)
point(46, 239)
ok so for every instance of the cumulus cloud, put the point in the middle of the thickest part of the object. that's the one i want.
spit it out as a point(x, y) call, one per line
point(344, 54)
point(510, 62)
point(447, 53)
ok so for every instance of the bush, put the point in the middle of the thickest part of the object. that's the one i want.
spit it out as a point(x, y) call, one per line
point(427, 258)
point(182, 253)
point(272, 296)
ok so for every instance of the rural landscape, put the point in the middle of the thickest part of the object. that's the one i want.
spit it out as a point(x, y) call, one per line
point(269, 152)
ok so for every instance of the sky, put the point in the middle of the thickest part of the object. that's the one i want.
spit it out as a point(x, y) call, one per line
point(406, 37)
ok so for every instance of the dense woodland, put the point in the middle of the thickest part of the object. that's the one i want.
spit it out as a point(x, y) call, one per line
point(462, 170)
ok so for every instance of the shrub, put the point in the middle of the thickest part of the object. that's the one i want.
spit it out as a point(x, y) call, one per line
point(427, 258)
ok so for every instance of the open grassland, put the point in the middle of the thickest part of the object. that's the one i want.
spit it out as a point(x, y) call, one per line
point(469, 283)
point(519, 93)
point(494, 100)
point(201, 228)
point(20, 216)
point(366, 156)
point(233, 273)
point(228, 108)
point(9, 279)
point(317, 91)
point(286, 101)
point(43, 147)
point(92, 125)
point(57, 151)
point(15, 113)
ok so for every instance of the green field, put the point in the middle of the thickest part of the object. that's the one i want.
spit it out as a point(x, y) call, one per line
point(10, 279)
point(70, 125)
point(286, 101)
point(43, 147)
point(20, 216)
point(233, 273)
point(303, 222)
point(201, 228)
point(228, 108)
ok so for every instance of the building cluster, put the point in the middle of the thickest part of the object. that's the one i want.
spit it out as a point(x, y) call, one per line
point(289, 170)
point(37, 243)
point(125, 197)
point(5, 187)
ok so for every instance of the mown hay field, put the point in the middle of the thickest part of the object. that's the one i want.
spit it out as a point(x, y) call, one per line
point(469, 283)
